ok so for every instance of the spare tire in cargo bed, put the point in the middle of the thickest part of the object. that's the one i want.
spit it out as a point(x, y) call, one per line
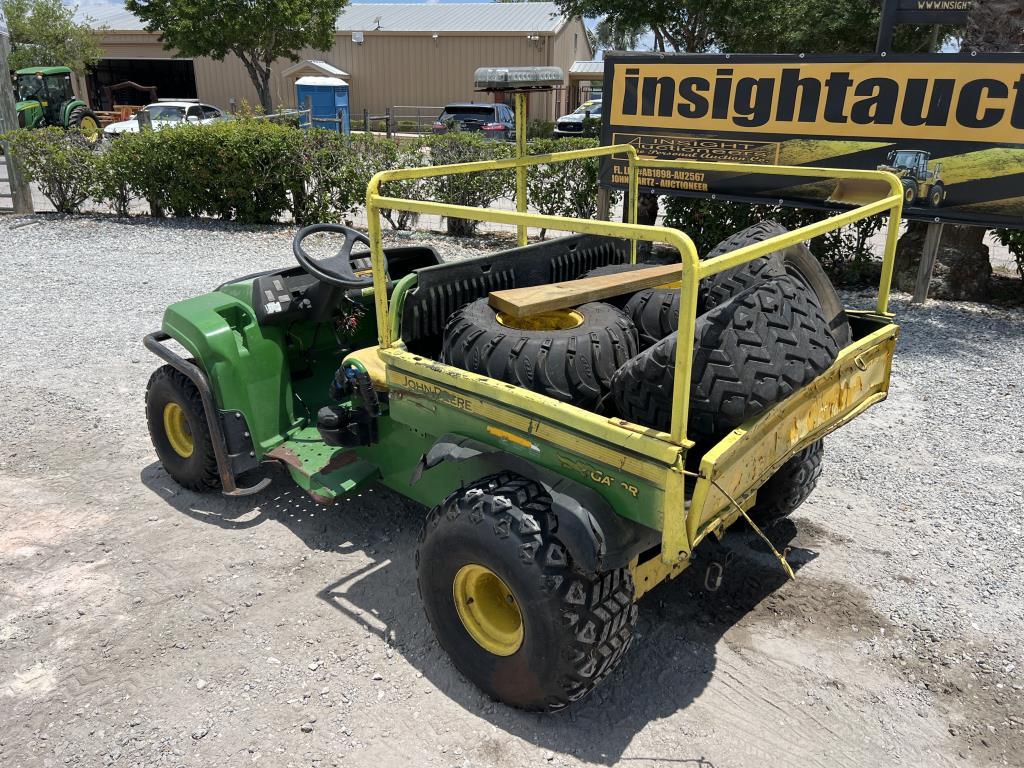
point(749, 353)
point(570, 355)
point(655, 311)
point(796, 260)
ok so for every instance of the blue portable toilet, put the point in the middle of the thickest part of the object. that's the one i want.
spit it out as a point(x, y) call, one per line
point(328, 96)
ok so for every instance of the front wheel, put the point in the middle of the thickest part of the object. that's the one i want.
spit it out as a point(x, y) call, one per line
point(937, 195)
point(506, 603)
point(177, 427)
point(909, 193)
point(85, 120)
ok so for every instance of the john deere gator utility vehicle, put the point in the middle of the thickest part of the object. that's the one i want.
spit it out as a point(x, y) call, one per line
point(46, 96)
point(579, 429)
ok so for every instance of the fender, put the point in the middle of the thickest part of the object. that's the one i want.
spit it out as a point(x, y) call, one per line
point(69, 107)
point(597, 538)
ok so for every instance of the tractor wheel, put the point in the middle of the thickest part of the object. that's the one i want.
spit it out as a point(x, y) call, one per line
point(177, 427)
point(507, 604)
point(796, 260)
point(789, 487)
point(937, 194)
point(909, 192)
point(569, 354)
point(749, 353)
point(85, 120)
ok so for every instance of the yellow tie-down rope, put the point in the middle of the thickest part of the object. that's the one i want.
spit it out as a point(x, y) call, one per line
point(780, 556)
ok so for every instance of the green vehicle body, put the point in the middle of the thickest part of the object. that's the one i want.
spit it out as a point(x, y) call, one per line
point(55, 103)
point(518, 599)
point(629, 492)
point(276, 379)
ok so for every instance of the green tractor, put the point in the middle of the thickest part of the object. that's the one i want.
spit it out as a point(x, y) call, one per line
point(538, 401)
point(46, 97)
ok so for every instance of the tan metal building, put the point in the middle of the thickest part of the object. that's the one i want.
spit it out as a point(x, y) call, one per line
point(394, 55)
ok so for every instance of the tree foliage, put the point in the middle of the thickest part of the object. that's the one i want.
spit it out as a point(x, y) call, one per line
point(256, 31)
point(747, 26)
point(45, 33)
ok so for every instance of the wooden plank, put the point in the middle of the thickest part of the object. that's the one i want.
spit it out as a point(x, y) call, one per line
point(537, 299)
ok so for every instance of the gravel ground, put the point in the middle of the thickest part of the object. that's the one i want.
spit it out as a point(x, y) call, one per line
point(142, 625)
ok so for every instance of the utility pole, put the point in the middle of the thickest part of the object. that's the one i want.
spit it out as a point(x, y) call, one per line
point(20, 191)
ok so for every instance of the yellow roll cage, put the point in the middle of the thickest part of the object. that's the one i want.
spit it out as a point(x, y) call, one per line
point(693, 269)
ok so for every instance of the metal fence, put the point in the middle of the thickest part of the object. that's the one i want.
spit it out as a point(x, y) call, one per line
point(398, 119)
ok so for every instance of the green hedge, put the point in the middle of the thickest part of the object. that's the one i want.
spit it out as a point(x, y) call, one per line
point(62, 163)
point(254, 171)
point(846, 254)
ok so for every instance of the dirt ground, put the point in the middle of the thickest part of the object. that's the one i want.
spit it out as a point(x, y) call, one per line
point(144, 625)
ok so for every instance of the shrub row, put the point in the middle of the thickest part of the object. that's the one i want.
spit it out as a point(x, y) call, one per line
point(846, 254)
point(254, 171)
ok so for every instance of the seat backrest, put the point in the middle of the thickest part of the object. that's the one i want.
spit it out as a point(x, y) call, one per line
point(442, 289)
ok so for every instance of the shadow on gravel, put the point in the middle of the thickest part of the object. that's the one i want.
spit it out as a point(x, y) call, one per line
point(671, 662)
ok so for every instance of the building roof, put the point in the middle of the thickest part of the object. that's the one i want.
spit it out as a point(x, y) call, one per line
point(317, 65)
point(586, 68)
point(320, 80)
point(537, 18)
point(452, 17)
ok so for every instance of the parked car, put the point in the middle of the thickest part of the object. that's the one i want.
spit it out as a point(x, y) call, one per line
point(495, 121)
point(573, 124)
point(163, 114)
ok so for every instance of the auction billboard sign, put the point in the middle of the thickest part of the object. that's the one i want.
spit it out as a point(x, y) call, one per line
point(951, 126)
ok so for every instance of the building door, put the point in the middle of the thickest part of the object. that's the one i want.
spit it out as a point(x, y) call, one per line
point(172, 78)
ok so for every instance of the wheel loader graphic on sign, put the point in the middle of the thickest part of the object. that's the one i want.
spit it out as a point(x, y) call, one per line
point(911, 166)
point(919, 183)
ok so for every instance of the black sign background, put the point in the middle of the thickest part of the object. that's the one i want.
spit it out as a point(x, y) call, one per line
point(982, 181)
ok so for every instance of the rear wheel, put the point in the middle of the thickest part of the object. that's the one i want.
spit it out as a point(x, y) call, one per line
point(507, 604)
point(177, 427)
point(790, 486)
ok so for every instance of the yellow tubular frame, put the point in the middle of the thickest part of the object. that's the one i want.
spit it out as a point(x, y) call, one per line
point(693, 270)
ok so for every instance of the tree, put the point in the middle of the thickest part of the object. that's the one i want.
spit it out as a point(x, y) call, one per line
point(751, 26)
point(257, 31)
point(615, 35)
point(45, 33)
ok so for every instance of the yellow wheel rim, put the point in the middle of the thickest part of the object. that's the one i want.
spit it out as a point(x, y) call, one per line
point(558, 320)
point(177, 430)
point(488, 610)
point(90, 128)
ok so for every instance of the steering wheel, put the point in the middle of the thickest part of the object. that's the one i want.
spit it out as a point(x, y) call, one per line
point(339, 271)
